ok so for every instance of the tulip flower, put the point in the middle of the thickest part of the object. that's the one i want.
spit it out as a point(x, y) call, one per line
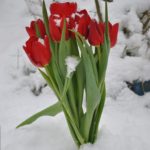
point(55, 31)
point(83, 21)
point(75, 20)
point(113, 33)
point(63, 9)
point(56, 26)
point(78, 21)
point(32, 29)
point(38, 51)
point(96, 33)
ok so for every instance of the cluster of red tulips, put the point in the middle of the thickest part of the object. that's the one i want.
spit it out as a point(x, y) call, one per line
point(69, 38)
point(39, 52)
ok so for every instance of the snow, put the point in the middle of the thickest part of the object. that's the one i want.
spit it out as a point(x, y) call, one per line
point(71, 63)
point(125, 123)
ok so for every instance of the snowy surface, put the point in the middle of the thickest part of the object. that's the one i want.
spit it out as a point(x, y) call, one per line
point(125, 123)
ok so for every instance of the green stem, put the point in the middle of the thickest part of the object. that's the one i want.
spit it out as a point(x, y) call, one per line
point(73, 123)
point(75, 138)
point(47, 68)
point(73, 104)
point(65, 106)
point(99, 62)
point(98, 10)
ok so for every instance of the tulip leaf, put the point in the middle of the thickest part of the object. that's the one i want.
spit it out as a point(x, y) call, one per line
point(91, 88)
point(79, 77)
point(72, 45)
point(46, 23)
point(63, 51)
point(50, 111)
point(97, 115)
point(50, 82)
point(91, 56)
point(45, 16)
point(80, 81)
point(107, 26)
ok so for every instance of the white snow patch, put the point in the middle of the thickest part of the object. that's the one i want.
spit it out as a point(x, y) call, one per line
point(71, 62)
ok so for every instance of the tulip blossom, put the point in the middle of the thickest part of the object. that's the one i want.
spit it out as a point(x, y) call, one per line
point(113, 33)
point(56, 26)
point(38, 51)
point(96, 33)
point(63, 9)
point(32, 29)
point(75, 20)
point(83, 21)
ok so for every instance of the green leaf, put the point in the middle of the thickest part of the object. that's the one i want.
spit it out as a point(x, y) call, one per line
point(91, 56)
point(45, 17)
point(46, 23)
point(97, 115)
point(50, 82)
point(80, 81)
point(72, 45)
point(63, 51)
point(50, 111)
point(46, 77)
point(92, 90)
point(107, 26)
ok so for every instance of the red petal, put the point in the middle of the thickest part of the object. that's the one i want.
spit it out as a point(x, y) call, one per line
point(67, 27)
point(83, 24)
point(28, 48)
point(32, 31)
point(41, 54)
point(41, 28)
point(83, 12)
point(113, 34)
point(71, 25)
point(63, 9)
point(38, 53)
point(95, 37)
point(30, 42)
point(54, 30)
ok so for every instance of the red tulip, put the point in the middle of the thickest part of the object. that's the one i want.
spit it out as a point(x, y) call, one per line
point(113, 33)
point(54, 29)
point(56, 26)
point(78, 21)
point(83, 21)
point(96, 33)
point(71, 26)
point(63, 9)
point(32, 30)
point(38, 51)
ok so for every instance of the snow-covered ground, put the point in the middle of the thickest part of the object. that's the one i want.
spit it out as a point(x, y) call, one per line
point(125, 123)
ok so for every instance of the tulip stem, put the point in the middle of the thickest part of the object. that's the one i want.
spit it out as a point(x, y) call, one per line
point(98, 9)
point(47, 68)
point(99, 62)
point(66, 109)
